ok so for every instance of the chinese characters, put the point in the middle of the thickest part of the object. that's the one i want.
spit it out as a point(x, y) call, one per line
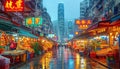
point(14, 5)
point(83, 24)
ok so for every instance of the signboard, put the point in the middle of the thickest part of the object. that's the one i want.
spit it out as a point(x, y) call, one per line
point(29, 21)
point(51, 35)
point(14, 5)
point(77, 22)
point(34, 21)
point(38, 21)
point(83, 24)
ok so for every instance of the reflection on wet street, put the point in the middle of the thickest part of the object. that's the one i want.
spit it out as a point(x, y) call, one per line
point(61, 58)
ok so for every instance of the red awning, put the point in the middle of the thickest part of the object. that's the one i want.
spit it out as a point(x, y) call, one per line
point(115, 23)
point(100, 24)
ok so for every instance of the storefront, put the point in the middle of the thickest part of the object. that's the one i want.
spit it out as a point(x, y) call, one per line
point(104, 38)
point(115, 33)
point(15, 41)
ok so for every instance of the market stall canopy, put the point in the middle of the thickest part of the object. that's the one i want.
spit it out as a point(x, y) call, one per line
point(25, 33)
point(116, 23)
point(115, 20)
point(5, 25)
point(100, 24)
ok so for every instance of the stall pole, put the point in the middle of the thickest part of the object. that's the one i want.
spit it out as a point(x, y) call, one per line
point(119, 50)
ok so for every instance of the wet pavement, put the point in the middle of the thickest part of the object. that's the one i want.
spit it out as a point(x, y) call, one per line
point(61, 58)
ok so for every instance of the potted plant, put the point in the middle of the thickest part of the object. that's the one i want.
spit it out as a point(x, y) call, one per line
point(37, 48)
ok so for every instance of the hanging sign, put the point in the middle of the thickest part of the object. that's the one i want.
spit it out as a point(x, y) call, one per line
point(34, 21)
point(83, 24)
point(77, 22)
point(30, 21)
point(14, 5)
point(38, 21)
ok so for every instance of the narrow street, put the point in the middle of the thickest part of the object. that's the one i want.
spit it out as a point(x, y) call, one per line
point(61, 58)
point(59, 34)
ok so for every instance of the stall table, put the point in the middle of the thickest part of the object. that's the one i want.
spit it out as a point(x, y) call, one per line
point(15, 56)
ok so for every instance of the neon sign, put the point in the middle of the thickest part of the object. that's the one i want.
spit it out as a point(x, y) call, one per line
point(83, 24)
point(34, 21)
point(77, 22)
point(14, 5)
point(38, 21)
point(30, 21)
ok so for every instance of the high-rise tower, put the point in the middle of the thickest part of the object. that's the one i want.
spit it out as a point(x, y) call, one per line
point(61, 22)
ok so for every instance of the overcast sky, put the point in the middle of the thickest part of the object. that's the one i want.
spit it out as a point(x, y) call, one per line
point(71, 8)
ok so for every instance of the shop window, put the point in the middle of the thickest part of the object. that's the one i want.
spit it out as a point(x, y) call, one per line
point(115, 10)
point(119, 7)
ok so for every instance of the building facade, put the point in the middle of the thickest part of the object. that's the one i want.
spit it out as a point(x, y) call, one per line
point(70, 29)
point(47, 23)
point(83, 6)
point(61, 22)
point(55, 27)
point(102, 10)
point(32, 8)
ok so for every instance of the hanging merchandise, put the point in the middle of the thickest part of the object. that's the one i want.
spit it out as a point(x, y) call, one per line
point(13, 45)
point(1, 49)
point(24, 43)
point(3, 39)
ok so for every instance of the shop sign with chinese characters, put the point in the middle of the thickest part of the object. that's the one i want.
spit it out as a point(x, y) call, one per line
point(14, 5)
point(83, 24)
point(34, 21)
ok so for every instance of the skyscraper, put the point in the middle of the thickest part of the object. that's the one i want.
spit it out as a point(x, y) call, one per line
point(70, 29)
point(61, 22)
point(83, 6)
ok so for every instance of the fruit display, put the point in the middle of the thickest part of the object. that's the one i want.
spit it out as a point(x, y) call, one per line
point(47, 44)
point(24, 44)
point(104, 52)
point(3, 39)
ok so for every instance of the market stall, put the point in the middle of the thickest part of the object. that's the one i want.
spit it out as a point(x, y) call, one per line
point(16, 48)
point(15, 56)
point(45, 43)
point(104, 39)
